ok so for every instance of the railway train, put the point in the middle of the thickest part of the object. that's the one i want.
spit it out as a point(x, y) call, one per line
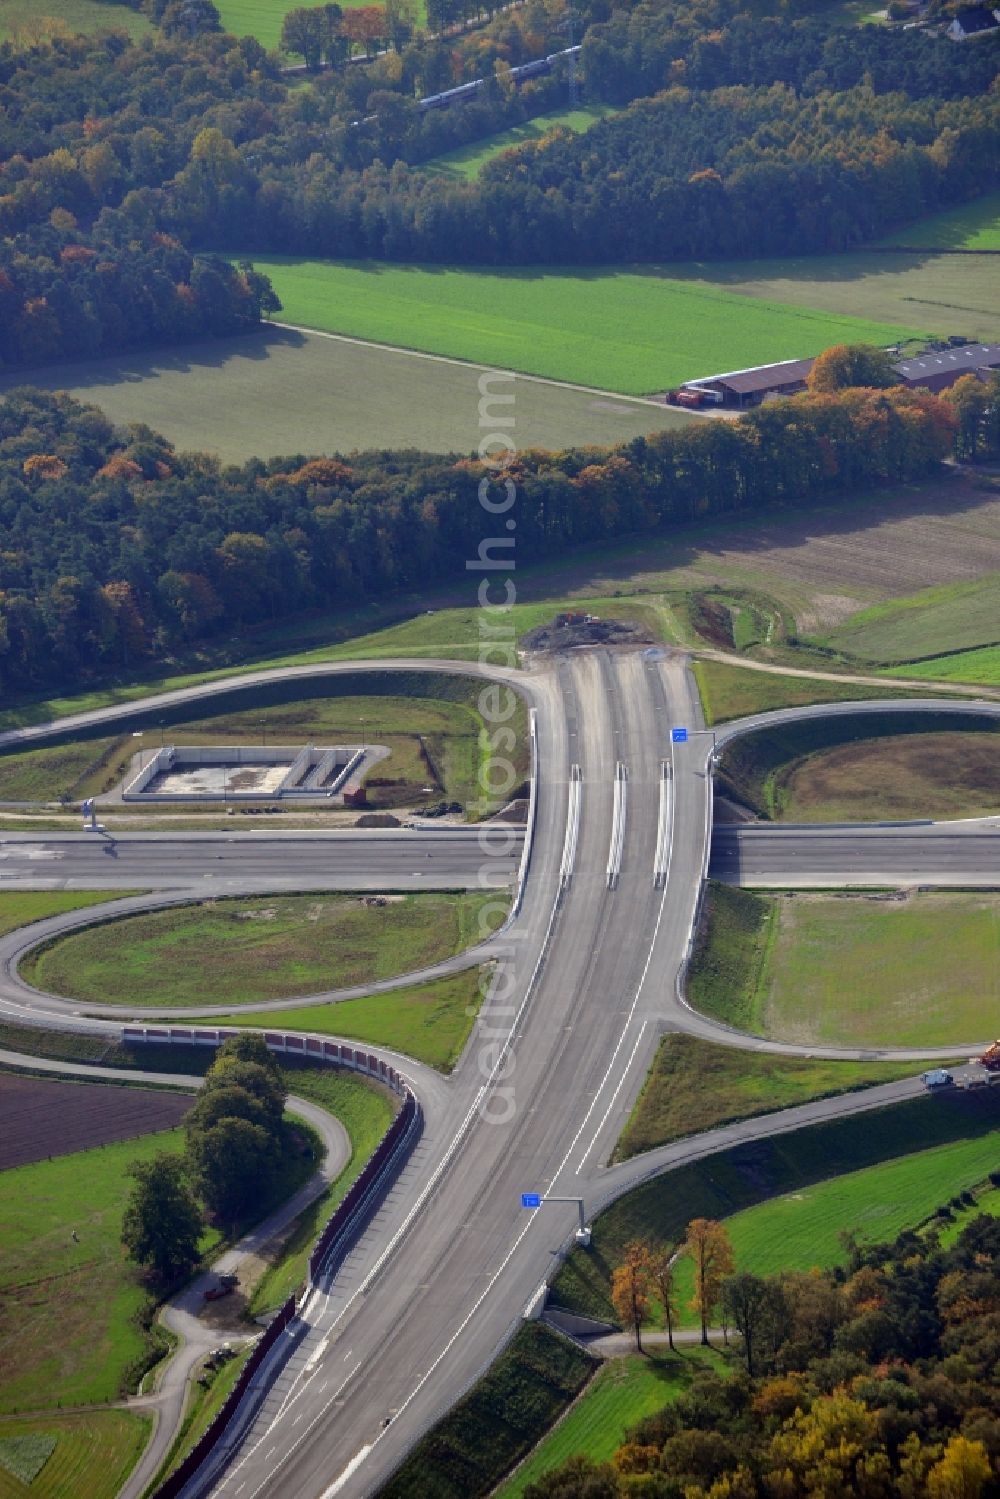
point(522, 74)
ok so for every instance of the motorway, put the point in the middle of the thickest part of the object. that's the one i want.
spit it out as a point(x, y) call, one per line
point(585, 986)
point(939, 854)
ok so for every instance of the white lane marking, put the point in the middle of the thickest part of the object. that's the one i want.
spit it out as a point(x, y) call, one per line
point(338, 1483)
point(621, 1083)
point(335, 1396)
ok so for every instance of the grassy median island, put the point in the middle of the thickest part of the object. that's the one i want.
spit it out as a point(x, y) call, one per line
point(869, 767)
point(850, 970)
point(429, 722)
point(242, 951)
point(723, 1184)
point(430, 1022)
point(694, 1085)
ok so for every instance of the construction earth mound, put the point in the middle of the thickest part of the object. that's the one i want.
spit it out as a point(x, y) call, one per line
point(572, 631)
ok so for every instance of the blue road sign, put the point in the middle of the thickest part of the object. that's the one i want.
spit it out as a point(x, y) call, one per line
point(531, 1199)
point(679, 736)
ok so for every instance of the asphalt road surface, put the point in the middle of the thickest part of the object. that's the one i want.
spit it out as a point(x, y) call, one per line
point(584, 990)
point(938, 854)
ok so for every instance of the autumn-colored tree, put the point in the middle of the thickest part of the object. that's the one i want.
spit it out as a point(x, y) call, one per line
point(661, 1272)
point(630, 1289)
point(44, 466)
point(711, 1252)
point(848, 365)
point(963, 1472)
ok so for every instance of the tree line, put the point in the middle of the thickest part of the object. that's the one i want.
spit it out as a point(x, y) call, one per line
point(116, 549)
point(763, 134)
point(236, 1143)
point(876, 1379)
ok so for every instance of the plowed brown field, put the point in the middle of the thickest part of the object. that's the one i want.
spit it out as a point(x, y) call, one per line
point(39, 1119)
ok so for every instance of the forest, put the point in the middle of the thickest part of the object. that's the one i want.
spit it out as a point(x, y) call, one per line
point(116, 548)
point(876, 1380)
point(747, 133)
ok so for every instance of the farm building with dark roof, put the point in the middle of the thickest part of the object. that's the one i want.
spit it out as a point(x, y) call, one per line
point(938, 371)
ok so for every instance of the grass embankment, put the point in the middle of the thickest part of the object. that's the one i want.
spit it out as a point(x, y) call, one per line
point(694, 1085)
point(862, 971)
point(243, 951)
point(205, 1398)
point(980, 667)
point(466, 162)
point(430, 1022)
point(430, 723)
point(366, 1111)
point(90, 1455)
point(806, 1228)
point(725, 1183)
point(729, 692)
point(621, 330)
point(972, 226)
point(867, 767)
point(22, 907)
point(498, 1422)
point(621, 1393)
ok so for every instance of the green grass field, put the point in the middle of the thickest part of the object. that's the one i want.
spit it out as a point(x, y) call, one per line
point(860, 971)
point(268, 947)
point(365, 1111)
point(465, 162)
point(621, 1393)
point(979, 667)
point(263, 18)
point(430, 1022)
point(68, 1307)
point(987, 1200)
point(891, 779)
point(627, 331)
point(956, 617)
point(729, 692)
point(851, 970)
point(802, 1229)
point(93, 1455)
point(971, 226)
point(282, 392)
point(694, 1085)
point(22, 907)
point(77, 15)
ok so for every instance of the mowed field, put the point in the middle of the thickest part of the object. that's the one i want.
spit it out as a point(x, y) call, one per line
point(226, 952)
point(77, 15)
point(972, 226)
point(465, 162)
point(863, 971)
point(957, 617)
point(90, 1454)
point(634, 331)
point(40, 1119)
point(281, 392)
point(263, 18)
point(893, 779)
point(803, 1228)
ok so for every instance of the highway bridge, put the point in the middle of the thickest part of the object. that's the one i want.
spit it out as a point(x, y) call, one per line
point(587, 981)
